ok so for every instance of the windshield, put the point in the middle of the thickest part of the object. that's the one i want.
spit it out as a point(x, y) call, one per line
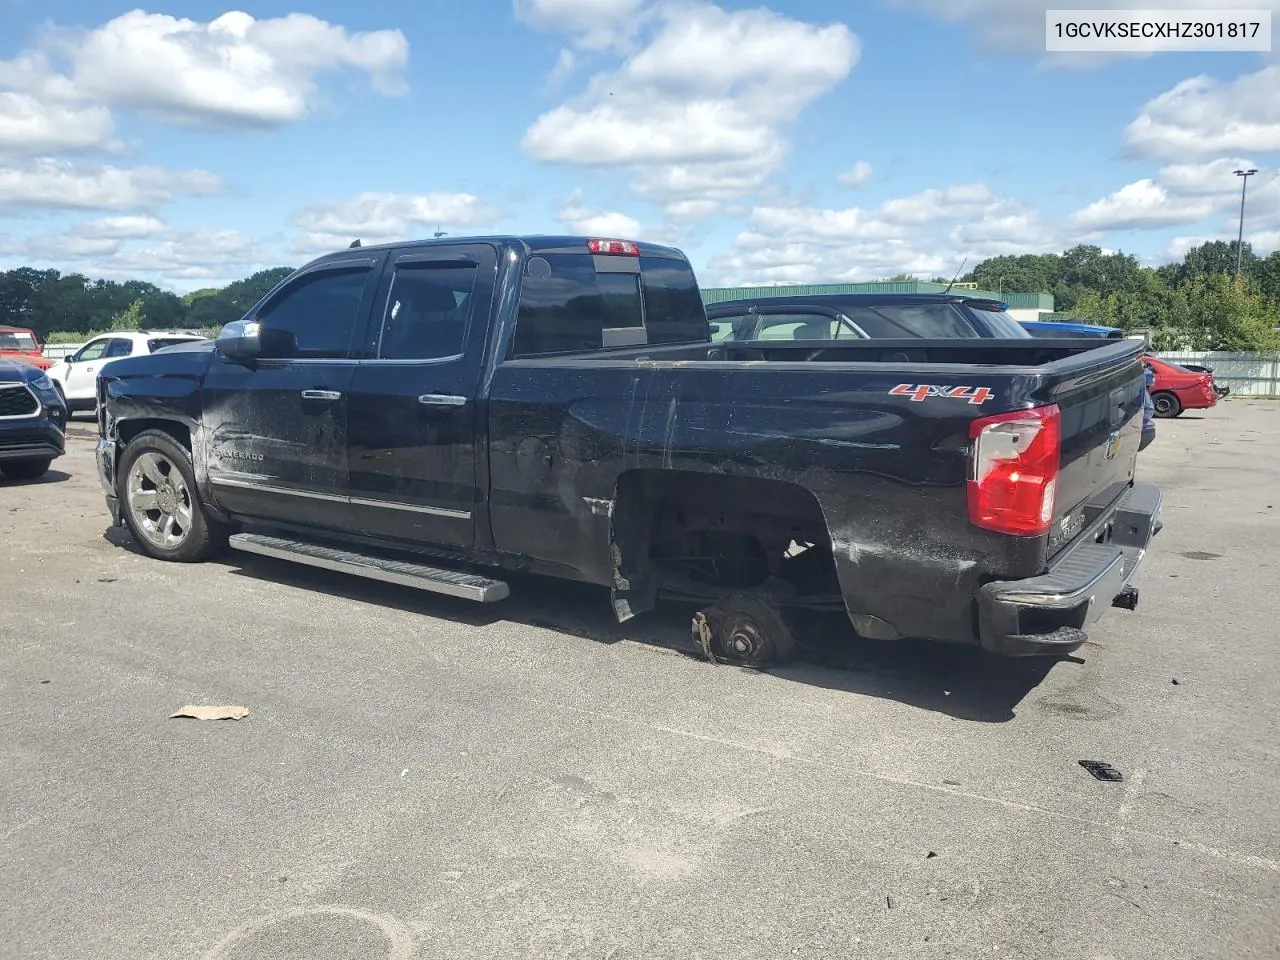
point(17, 340)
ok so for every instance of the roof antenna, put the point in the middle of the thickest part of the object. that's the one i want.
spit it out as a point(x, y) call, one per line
point(354, 244)
point(956, 277)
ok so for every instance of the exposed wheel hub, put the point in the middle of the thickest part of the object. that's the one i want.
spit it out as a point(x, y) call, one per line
point(745, 640)
point(743, 629)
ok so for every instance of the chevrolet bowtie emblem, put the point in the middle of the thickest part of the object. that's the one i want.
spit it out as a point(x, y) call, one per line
point(1113, 445)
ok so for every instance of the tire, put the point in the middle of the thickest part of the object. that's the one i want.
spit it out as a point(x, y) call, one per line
point(1166, 404)
point(26, 469)
point(160, 503)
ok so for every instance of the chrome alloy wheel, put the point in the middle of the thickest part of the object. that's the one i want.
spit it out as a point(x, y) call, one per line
point(159, 500)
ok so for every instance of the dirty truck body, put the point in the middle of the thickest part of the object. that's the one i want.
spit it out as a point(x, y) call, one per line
point(439, 412)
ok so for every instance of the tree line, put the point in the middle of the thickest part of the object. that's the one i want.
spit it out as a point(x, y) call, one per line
point(1197, 303)
point(69, 307)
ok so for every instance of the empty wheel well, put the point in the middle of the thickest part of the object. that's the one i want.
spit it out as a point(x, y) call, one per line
point(128, 429)
point(721, 531)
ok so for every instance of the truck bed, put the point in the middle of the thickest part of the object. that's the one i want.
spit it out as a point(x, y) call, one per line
point(855, 425)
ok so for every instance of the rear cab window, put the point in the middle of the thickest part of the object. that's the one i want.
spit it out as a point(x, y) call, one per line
point(900, 320)
point(571, 302)
point(1001, 324)
point(159, 343)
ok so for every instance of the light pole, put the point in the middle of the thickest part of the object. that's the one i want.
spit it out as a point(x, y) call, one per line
point(1244, 176)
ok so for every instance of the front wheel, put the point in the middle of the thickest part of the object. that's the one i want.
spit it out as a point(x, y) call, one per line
point(26, 469)
point(161, 505)
point(1166, 404)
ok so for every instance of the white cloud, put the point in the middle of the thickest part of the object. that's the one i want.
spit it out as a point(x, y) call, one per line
point(693, 209)
point(574, 215)
point(799, 262)
point(233, 70)
point(924, 234)
point(856, 176)
point(932, 205)
point(123, 228)
point(817, 225)
point(1011, 230)
point(1142, 205)
point(595, 24)
point(1200, 179)
point(704, 102)
point(1185, 193)
point(383, 217)
point(52, 184)
point(609, 224)
point(143, 248)
point(566, 63)
point(1202, 117)
point(30, 126)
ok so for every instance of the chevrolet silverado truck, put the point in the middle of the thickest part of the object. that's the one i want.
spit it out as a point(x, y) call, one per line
point(444, 413)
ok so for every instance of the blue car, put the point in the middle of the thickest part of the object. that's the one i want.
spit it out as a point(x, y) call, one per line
point(33, 419)
point(1069, 328)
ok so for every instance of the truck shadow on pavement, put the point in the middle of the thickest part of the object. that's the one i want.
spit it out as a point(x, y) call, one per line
point(961, 682)
point(52, 476)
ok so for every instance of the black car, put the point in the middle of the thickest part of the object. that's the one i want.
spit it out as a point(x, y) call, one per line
point(32, 420)
point(864, 316)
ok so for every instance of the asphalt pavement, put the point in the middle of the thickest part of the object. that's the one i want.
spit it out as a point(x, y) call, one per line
point(422, 778)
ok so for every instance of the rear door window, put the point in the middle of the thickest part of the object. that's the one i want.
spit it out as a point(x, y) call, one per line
point(428, 310)
point(118, 347)
point(567, 305)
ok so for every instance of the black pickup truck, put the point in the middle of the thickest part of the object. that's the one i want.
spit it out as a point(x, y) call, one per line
point(435, 413)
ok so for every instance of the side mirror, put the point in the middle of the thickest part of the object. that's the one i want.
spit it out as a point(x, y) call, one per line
point(239, 340)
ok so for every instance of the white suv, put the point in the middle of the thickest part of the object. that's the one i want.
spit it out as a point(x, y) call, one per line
point(76, 376)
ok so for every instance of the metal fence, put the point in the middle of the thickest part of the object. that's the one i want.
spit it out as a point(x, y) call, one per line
point(1247, 374)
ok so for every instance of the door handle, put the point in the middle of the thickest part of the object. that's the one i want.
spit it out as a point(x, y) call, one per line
point(321, 395)
point(441, 400)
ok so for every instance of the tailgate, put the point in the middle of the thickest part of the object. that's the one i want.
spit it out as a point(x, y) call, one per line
point(1101, 424)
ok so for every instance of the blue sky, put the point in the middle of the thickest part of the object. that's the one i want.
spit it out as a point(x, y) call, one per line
point(800, 140)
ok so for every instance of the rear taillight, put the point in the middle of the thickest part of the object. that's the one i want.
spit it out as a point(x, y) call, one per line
point(1013, 472)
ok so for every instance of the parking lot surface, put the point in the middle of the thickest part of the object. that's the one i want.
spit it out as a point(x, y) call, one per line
point(422, 778)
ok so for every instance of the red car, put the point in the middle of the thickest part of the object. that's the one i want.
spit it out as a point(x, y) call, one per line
point(19, 343)
point(1176, 388)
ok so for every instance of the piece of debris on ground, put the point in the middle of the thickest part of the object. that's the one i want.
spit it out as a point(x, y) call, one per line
point(196, 712)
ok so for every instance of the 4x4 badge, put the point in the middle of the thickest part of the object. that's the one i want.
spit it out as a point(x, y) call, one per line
point(921, 392)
